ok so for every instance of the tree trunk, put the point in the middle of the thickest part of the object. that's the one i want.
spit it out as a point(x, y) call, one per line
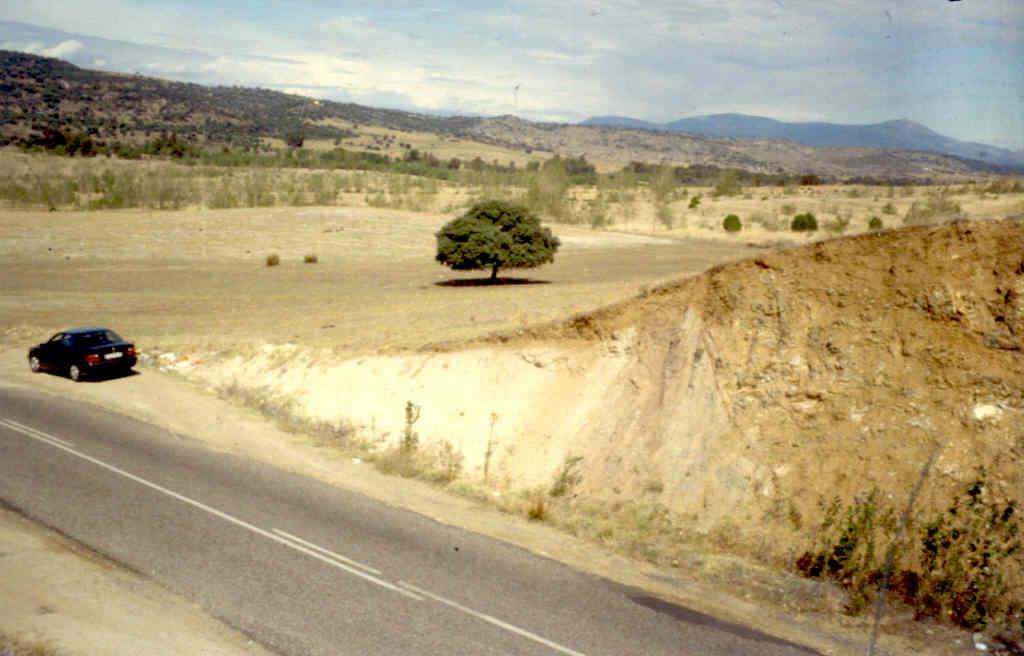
point(494, 272)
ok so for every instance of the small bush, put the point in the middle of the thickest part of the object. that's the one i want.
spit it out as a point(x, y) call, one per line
point(694, 202)
point(732, 223)
point(311, 258)
point(727, 185)
point(663, 212)
point(568, 478)
point(875, 223)
point(888, 208)
point(805, 222)
point(273, 259)
point(934, 208)
point(839, 225)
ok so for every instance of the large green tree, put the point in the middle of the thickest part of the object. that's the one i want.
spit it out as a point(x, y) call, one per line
point(495, 235)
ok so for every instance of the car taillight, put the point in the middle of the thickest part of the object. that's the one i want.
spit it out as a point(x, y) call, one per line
point(131, 351)
point(92, 358)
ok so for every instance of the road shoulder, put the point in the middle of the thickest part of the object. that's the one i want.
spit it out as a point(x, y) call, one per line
point(55, 592)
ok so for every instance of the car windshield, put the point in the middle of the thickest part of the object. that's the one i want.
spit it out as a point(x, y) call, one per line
point(97, 338)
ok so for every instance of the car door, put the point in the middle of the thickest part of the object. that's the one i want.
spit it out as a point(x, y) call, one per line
point(64, 351)
point(50, 352)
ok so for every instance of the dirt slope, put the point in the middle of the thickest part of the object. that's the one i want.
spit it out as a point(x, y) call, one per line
point(760, 386)
point(734, 405)
point(834, 368)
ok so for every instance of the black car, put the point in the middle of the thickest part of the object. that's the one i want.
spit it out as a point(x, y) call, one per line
point(82, 352)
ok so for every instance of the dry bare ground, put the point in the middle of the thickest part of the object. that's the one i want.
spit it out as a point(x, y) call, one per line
point(199, 279)
point(717, 413)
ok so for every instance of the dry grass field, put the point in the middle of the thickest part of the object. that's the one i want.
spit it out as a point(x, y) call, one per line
point(199, 278)
point(196, 276)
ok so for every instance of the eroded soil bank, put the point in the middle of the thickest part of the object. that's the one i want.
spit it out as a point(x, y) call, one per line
point(741, 401)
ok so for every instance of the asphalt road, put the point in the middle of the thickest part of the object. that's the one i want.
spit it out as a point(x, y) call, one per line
point(305, 568)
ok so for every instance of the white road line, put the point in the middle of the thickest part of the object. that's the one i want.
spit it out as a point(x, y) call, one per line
point(46, 438)
point(327, 552)
point(493, 620)
point(10, 423)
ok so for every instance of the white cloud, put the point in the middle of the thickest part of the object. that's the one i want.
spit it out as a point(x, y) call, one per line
point(63, 49)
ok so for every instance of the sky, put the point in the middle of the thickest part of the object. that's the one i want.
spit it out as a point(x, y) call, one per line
point(955, 66)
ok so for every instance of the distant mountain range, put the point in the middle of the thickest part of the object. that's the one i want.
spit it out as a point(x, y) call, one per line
point(892, 135)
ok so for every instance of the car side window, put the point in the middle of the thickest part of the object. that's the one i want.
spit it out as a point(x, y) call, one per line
point(67, 341)
point(56, 338)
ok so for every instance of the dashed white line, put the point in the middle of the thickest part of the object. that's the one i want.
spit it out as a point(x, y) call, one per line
point(55, 442)
point(327, 552)
point(492, 620)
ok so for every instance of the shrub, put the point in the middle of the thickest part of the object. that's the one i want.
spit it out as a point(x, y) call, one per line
point(962, 563)
point(767, 221)
point(805, 222)
point(273, 259)
point(695, 202)
point(548, 188)
point(663, 212)
point(875, 223)
point(839, 225)
point(732, 223)
point(727, 184)
point(311, 258)
point(568, 477)
point(888, 208)
point(934, 208)
point(537, 506)
point(295, 138)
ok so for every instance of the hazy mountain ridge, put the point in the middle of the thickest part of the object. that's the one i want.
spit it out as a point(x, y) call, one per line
point(39, 92)
point(900, 134)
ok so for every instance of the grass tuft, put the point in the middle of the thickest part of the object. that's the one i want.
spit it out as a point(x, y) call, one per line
point(537, 506)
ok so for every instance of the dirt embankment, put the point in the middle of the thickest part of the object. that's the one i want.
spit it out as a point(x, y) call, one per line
point(817, 371)
point(830, 369)
point(741, 400)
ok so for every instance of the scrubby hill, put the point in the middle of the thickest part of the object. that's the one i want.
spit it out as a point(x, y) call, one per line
point(40, 91)
point(37, 93)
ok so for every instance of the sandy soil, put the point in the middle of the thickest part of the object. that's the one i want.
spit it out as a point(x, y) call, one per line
point(56, 593)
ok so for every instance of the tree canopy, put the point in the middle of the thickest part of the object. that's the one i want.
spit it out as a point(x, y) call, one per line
point(495, 235)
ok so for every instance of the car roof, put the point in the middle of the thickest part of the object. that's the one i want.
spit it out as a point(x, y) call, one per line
point(81, 331)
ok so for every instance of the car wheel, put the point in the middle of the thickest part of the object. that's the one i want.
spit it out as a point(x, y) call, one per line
point(74, 373)
point(34, 365)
